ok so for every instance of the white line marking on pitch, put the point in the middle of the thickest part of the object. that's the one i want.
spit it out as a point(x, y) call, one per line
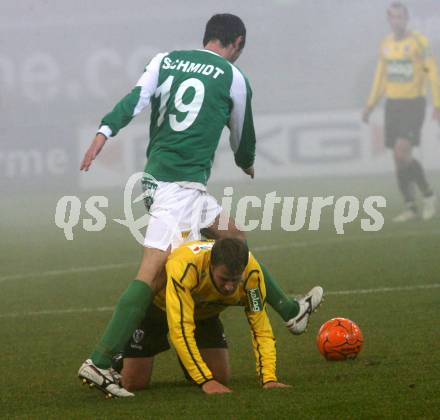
point(261, 248)
point(72, 270)
point(342, 240)
point(383, 289)
point(333, 293)
point(57, 312)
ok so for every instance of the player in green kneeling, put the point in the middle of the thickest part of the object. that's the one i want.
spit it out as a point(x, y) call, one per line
point(194, 94)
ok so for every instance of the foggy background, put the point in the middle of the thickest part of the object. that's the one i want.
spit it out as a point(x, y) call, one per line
point(63, 65)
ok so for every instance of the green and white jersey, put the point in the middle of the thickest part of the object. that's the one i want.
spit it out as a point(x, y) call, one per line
point(193, 95)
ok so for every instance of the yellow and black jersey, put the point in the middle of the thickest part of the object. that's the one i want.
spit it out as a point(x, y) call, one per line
point(403, 69)
point(191, 294)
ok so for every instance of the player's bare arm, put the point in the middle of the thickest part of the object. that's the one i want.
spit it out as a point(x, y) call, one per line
point(93, 151)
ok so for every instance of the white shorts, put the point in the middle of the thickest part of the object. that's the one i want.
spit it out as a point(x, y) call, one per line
point(178, 214)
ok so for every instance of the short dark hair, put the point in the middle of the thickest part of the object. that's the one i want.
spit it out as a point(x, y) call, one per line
point(398, 5)
point(231, 252)
point(226, 28)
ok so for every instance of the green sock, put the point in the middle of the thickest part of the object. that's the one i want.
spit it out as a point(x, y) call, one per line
point(128, 314)
point(286, 307)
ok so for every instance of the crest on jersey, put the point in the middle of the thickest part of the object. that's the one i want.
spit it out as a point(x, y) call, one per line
point(149, 187)
point(196, 248)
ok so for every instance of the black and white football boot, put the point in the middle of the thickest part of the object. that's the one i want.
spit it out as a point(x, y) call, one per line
point(106, 380)
point(308, 304)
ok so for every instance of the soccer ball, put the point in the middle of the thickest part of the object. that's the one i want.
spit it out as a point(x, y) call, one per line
point(339, 339)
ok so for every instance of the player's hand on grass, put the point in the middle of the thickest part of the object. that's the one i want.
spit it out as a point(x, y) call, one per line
point(93, 151)
point(250, 171)
point(214, 387)
point(273, 384)
point(366, 114)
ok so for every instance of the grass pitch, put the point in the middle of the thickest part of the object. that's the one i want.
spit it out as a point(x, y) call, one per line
point(55, 299)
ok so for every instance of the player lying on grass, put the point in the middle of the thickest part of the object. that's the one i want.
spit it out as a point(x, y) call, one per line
point(203, 279)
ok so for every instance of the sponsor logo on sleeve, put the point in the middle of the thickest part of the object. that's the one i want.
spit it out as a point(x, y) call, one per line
point(254, 298)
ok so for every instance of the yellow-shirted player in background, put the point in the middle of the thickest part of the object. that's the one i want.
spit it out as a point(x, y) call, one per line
point(203, 279)
point(405, 65)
